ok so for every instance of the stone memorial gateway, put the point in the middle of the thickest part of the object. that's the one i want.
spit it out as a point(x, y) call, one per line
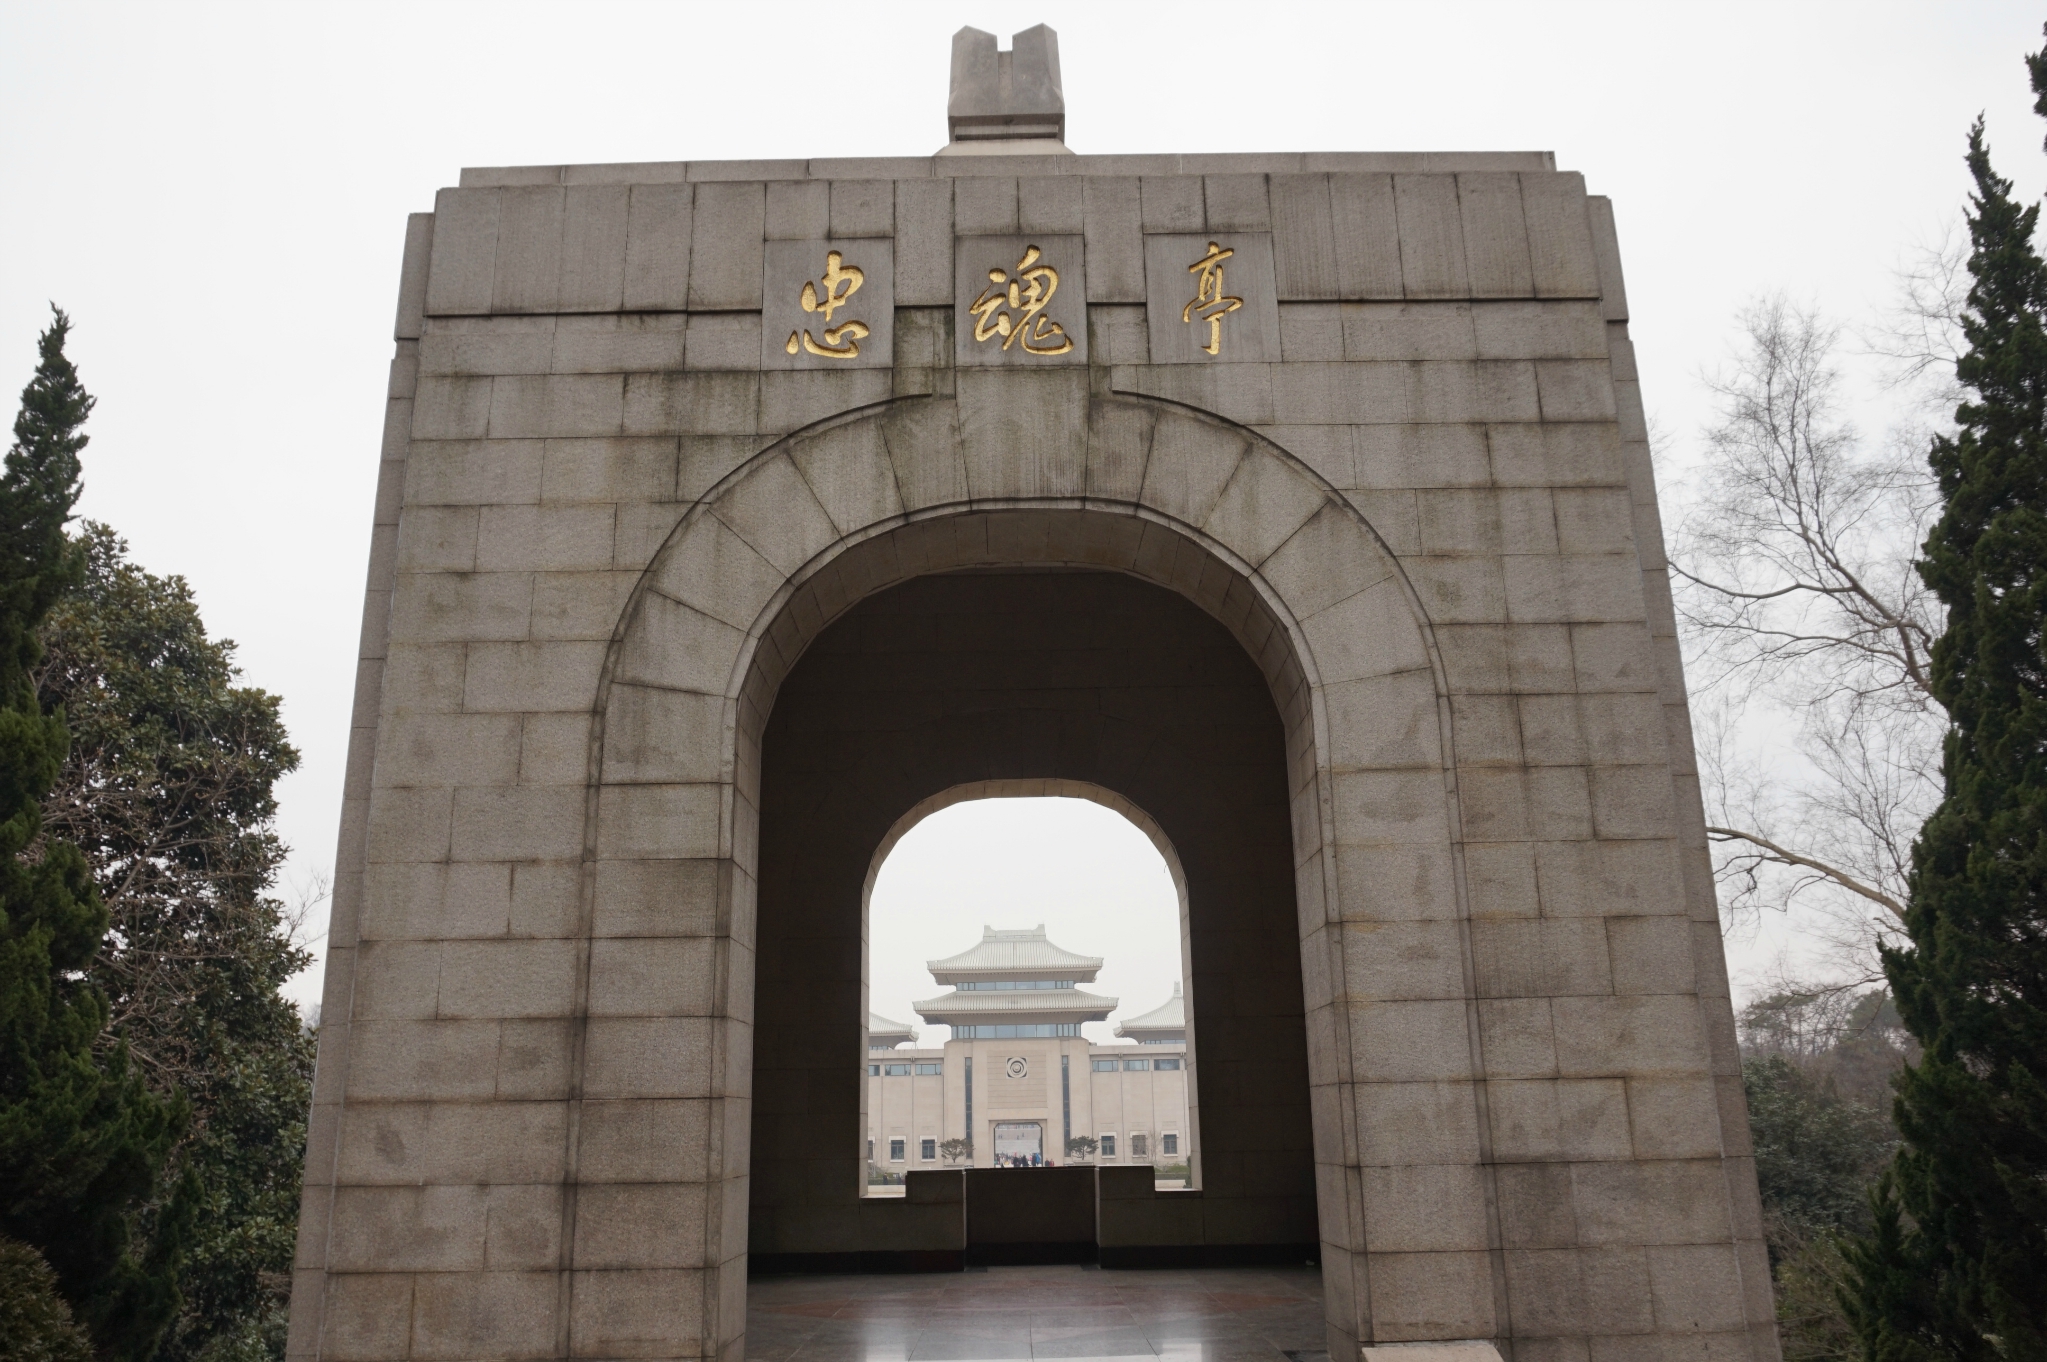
point(734, 515)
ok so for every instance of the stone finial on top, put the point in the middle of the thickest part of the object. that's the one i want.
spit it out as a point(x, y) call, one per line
point(1005, 101)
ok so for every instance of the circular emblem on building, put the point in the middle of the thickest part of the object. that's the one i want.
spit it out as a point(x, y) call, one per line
point(1018, 1067)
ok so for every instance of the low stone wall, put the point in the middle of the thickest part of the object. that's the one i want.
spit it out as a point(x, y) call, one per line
point(1030, 1215)
point(923, 1230)
point(1138, 1224)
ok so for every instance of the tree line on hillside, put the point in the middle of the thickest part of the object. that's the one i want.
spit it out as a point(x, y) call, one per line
point(1817, 1068)
point(153, 1080)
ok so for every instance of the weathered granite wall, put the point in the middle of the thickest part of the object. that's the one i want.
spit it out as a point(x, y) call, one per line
point(1411, 480)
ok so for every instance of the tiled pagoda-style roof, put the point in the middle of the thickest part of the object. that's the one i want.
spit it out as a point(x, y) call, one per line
point(882, 1031)
point(1169, 1016)
point(1024, 1005)
point(1020, 954)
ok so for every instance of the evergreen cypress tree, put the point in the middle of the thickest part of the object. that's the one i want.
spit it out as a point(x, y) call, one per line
point(81, 1140)
point(1956, 1265)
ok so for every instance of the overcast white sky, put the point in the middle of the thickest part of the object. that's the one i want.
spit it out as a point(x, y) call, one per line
point(217, 193)
point(984, 863)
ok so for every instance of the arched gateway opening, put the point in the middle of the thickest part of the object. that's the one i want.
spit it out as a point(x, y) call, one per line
point(813, 653)
point(1022, 674)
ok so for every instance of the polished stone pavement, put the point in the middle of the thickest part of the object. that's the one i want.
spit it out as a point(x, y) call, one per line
point(1068, 1313)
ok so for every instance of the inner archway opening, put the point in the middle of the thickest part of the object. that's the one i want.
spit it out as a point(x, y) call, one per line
point(1027, 681)
point(1026, 986)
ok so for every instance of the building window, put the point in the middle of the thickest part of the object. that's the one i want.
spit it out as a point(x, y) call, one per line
point(895, 1151)
point(1169, 1143)
point(1108, 1146)
point(1136, 1065)
point(1105, 1066)
point(895, 1070)
point(870, 1151)
point(1027, 1031)
point(927, 1150)
point(1011, 985)
point(1165, 1064)
point(874, 1071)
point(1139, 1146)
point(933, 1068)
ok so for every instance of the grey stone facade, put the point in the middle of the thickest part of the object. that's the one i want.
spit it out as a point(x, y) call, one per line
point(1393, 665)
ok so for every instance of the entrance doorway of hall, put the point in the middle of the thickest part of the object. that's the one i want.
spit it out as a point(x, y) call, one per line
point(1026, 991)
point(1019, 1144)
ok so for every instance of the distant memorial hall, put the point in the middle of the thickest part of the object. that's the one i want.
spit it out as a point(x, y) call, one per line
point(1015, 1006)
point(735, 516)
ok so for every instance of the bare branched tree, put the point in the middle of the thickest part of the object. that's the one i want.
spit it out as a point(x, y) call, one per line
point(1809, 633)
point(1921, 335)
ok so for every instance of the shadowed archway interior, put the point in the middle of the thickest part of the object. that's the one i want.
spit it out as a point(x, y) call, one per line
point(1027, 674)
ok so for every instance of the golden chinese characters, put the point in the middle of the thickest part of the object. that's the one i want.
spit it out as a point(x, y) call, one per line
point(1014, 307)
point(1209, 299)
point(841, 281)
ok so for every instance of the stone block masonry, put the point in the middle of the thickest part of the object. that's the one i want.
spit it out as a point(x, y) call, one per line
point(1337, 556)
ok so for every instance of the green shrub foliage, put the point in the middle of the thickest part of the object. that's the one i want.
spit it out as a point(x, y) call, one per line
point(1816, 1068)
point(35, 1323)
point(1817, 1152)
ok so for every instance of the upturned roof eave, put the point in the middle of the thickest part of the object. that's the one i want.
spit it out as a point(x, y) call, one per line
point(888, 1026)
point(1170, 1015)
